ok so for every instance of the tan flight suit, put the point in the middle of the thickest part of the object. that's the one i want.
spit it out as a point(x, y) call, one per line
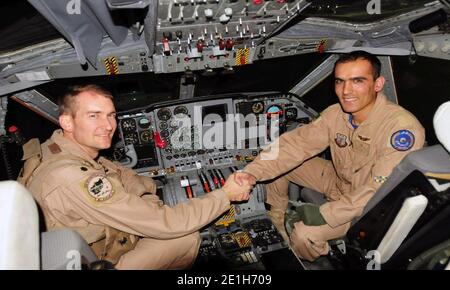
point(362, 159)
point(104, 202)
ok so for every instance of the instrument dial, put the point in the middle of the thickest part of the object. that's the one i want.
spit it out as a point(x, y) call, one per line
point(175, 123)
point(146, 136)
point(128, 125)
point(291, 114)
point(144, 123)
point(163, 126)
point(164, 114)
point(119, 153)
point(274, 110)
point(180, 110)
point(165, 133)
point(131, 138)
point(258, 107)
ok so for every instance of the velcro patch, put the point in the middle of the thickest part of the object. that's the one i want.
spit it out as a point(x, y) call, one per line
point(99, 187)
point(402, 140)
point(54, 148)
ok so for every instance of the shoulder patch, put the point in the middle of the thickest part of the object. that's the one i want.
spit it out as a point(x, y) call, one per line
point(99, 187)
point(402, 140)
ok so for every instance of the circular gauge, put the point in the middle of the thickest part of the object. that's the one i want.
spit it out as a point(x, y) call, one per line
point(128, 125)
point(164, 114)
point(291, 114)
point(274, 110)
point(165, 133)
point(131, 138)
point(119, 153)
point(163, 125)
point(258, 107)
point(146, 136)
point(144, 123)
point(174, 123)
point(180, 110)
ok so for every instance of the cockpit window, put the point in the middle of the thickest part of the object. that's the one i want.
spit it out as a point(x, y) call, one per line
point(130, 91)
point(277, 74)
point(357, 11)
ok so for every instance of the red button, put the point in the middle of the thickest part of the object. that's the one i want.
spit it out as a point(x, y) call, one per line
point(12, 129)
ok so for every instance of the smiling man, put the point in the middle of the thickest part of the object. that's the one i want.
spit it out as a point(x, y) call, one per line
point(115, 210)
point(367, 135)
point(89, 119)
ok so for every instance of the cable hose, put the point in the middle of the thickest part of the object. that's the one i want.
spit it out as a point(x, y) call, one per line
point(9, 170)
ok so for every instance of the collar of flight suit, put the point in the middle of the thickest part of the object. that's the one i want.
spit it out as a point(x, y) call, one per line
point(67, 146)
point(380, 103)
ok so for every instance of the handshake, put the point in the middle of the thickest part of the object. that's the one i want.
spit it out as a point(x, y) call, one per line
point(238, 186)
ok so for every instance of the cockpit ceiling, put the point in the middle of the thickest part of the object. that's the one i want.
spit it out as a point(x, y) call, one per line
point(357, 11)
point(21, 25)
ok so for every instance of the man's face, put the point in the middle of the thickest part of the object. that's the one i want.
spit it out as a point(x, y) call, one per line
point(94, 122)
point(356, 87)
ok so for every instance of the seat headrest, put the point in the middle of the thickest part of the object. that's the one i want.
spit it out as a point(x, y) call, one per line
point(441, 123)
point(19, 228)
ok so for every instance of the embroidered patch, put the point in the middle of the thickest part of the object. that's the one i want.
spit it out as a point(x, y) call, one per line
point(99, 187)
point(364, 139)
point(341, 140)
point(402, 140)
point(379, 179)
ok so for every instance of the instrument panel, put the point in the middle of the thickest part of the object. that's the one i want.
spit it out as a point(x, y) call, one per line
point(136, 131)
point(209, 131)
point(194, 145)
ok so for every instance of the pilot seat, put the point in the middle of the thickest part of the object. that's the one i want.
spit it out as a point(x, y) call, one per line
point(24, 247)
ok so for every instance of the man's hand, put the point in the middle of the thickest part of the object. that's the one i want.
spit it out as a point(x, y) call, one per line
point(235, 191)
point(308, 213)
point(244, 178)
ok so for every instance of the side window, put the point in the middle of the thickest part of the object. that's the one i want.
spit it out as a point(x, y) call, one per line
point(422, 86)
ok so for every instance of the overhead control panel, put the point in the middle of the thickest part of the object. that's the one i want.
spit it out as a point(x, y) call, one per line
point(433, 45)
point(133, 60)
point(207, 34)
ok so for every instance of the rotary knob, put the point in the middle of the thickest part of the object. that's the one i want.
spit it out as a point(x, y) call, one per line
point(208, 13)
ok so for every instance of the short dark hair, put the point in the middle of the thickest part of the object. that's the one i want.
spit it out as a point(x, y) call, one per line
point(67, 102)
point(361, 54)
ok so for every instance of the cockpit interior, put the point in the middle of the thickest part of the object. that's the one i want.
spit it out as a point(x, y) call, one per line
point(201, 87)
